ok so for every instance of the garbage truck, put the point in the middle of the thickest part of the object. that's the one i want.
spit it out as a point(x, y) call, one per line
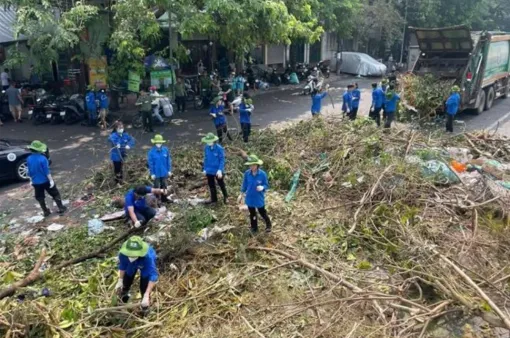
point(478, 62)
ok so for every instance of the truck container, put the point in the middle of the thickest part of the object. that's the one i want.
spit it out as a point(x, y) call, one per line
point(478, 62)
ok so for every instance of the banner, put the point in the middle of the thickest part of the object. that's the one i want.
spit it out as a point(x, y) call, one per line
point(162, 79)
point(133, 82)
point(97, 72)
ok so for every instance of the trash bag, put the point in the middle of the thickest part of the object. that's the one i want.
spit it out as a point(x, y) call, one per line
point(95, 227)
point(168, 110)
point(293, 79)
point(439, 172)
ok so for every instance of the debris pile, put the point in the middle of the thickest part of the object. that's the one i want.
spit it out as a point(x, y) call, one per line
point(375, 234)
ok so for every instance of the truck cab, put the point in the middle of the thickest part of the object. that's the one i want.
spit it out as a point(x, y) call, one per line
point(478, 62)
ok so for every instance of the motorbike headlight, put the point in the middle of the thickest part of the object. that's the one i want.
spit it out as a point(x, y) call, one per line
point(38, 100)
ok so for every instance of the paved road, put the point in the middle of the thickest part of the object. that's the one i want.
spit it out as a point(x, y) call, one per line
point(76, 149)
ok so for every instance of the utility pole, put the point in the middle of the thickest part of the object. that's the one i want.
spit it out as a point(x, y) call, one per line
point(403, 34)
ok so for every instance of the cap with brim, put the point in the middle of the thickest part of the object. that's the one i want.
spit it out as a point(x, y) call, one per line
point(216, 99)
point(210, 138)
point(38, 146)
point(253, 159)
point(134, 247)
point(158, 139)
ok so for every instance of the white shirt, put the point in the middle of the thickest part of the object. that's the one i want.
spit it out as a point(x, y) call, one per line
point(5, 78)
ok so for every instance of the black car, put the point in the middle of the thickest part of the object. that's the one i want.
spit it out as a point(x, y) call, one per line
point(13, 159)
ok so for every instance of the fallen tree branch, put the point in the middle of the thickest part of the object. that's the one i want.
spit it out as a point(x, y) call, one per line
point(29, 279)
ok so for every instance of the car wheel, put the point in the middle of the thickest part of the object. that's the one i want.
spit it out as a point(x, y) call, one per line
point(22, 170)
point(491, 94)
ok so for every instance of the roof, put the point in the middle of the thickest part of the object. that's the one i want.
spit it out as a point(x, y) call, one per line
point(7, 21)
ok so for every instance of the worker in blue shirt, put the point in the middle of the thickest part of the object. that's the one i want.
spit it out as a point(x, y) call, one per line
point(245, 110)
point(377, 103)
point(452, 107)
point(219, 119)
point(214, 167)
point(41, 179)
point(384, 85)
point(317, 100)
point(160, 163)
point(347, 100)
point(356, 98)
point(135, 206)
point(390, 107)
point(134, 255)
point(103, 108)
point(90, 103)
point(255, 185)
point(121, 142)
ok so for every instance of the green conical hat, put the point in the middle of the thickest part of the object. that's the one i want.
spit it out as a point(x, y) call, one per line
point(253, 159)
point(158, 139)
point(210, 138)
point(389, 94)
point(38, 146)
point(455, 89)
point(134, 247)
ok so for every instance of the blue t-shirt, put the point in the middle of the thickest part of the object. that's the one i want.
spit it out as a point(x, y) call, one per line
point(254, 198)
point(347, 101)
point(138, 203)
point(38, 168)
point(160, 161)
point(317, 102)
point(356, 97)
point(378, 98)
point(245, 111)
point(214, 159)
point(146, 265)
point(220, 119)
point(453, 104)
point(390, 105)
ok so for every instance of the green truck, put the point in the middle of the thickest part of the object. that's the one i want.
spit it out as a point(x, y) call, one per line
point(478, 62)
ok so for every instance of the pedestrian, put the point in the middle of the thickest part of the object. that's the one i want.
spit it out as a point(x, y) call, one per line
point(377, 103)
point(214, 167)
point(134, 255)
point(15, 101)
point(347, 101)
point(4, 76)
point(135, 205)
point(90, 100)
point(144, 101)
point(219, 119)
point(180, 95)
point(228, 95)
point(390, 107)
point(245, 110)
point(255, 185)
point(160, 163)
point(41, 179)
point(121, 142)
point(239, 84)
point(156, 103)
point(317, 100)
point(356, 98)
point(103, 108)
point(205, 84)
point(452, 107)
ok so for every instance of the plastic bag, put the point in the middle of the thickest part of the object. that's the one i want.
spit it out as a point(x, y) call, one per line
point(95, 227)
point(168, 110)
point(439, 172)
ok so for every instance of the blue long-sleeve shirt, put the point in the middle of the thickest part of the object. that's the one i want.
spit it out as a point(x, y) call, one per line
point(124, 139)
point(377, 98)
point(317, 102)
point(90, 101)
point(453, 104)
point(214, 159)
point(245, 111)
point(220, 119)
point(254, 198)
point(139, 204)
point(356, 97)
point(347, 101)
point(390, 105)
point(103, 101)
point(160, 161)
point(38, 168)
point(146, 265)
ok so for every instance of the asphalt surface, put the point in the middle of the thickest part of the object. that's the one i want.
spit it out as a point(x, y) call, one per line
point(76, 149)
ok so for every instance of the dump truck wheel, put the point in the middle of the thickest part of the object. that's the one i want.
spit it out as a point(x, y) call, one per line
point(491, 95)
point(481, 103)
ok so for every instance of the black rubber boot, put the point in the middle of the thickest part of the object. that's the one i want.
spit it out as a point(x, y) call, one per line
point(61, 207)
point(44, 208)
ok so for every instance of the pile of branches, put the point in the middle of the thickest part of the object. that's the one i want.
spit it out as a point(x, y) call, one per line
point(367, 246)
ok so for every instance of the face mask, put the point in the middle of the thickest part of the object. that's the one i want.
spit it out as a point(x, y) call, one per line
point(210, 144)
point(120, 131)
point(132, 259)
point(158, 146)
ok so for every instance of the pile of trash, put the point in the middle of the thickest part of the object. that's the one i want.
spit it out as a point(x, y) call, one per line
point(375, 234)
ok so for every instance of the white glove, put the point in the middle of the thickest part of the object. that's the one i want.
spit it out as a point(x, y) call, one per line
point(153, 177)
point(204, 172)
point(219, 174)
point(128, 147)
point(165, 192)
point(118, 146)
point(52, 183)
point(213, 115)
point(371, 109)
point(119, 284)
point(240, 199)
point(260, 188)
point(138, 224)
point(145, 301)
point(348, 111)
point(169, 174)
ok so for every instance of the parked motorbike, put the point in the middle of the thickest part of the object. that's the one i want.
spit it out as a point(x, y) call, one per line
point(313, 84)
point(190, 90)
point(45, 108)
point(204, 100)
point(302, 71)
point(285, 77)
point(74, 109)
point(324, 68)
point(58, 111)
